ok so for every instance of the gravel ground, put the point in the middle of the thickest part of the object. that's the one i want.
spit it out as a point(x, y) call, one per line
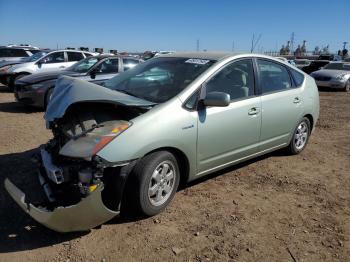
point(275, 208)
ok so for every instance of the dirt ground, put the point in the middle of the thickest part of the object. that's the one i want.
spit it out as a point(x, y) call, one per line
point(275, 208)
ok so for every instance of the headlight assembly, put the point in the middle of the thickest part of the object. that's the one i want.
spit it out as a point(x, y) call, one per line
point(102, 141)
point(341, 77)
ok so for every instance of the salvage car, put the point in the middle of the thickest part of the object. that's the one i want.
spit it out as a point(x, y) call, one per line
point(6, 65)
point(36, 89)
point(301, 63)
point(131, 142)
point(52, 61)
point(16, 53)
point(334, 75)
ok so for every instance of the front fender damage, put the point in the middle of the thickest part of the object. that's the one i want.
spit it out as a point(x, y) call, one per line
point(88, 213)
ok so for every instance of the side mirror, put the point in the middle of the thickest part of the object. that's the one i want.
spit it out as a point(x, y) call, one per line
point(217, 99)
point(39, 63)
point(93, 74)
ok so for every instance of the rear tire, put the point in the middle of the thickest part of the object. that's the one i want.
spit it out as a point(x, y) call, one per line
point(300, 137)
point(155, 180)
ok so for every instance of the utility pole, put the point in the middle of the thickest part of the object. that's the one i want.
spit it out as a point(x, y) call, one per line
point(292, 43)
point(197, 45)
point(254, 42)
point(233, 46)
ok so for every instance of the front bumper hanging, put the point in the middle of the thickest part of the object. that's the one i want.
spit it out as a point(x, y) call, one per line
point(88, 213)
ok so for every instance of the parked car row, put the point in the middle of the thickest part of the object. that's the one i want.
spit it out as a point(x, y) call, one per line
point(328, 70)
point(43, 61)
point(16, 53)
point(36, 89)
point(171, 119)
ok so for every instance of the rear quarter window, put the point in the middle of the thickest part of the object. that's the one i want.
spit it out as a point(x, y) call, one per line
point(297, 77)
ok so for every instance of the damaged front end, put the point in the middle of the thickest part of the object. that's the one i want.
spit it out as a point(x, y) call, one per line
point(83, 190)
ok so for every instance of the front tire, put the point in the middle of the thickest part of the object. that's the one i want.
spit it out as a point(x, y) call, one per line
point(300, 137)
point(156, 179)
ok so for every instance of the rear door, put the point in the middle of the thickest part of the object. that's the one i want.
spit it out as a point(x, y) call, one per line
point(229, 134)
point(281, 104)
point(73, 57)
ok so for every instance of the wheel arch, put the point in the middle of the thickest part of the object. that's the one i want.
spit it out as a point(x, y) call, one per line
point(311, 119)
point(183, 162)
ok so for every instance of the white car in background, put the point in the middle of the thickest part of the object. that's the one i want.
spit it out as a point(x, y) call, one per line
point(52, 61)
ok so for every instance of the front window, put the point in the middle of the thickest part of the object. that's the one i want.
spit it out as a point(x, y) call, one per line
point(108, 66)
point(36, 56)
point(338, 66)
point(84, 65)
point(159, 79)
point(235, 79)
point(57, 57)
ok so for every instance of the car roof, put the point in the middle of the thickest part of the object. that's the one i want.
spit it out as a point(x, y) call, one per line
point(200, 55)
point(216, 55)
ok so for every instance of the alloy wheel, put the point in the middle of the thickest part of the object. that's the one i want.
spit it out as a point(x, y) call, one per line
point(301, 135)
point(162, 183)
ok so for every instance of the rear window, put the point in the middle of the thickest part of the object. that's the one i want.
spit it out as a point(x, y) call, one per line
point(9, 52)
point(87, 54)
point(74, 56)
point(297, 77)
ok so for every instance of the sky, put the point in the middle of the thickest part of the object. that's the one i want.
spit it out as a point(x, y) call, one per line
point(175, 25)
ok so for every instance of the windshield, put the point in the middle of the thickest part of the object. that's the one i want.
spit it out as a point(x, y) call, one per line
point(84, 65)
point(36, 56)
point(159, 79)
point(338, 66)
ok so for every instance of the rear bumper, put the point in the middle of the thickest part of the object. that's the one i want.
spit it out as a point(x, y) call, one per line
point(331, 84)
point(88, 213)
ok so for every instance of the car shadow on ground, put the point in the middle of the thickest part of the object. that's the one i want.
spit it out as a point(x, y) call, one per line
point(5, 89)
point(328, 89)
point(19, 232)
point(15, 107)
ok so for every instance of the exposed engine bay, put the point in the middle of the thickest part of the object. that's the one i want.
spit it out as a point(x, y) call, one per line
point(75, 180)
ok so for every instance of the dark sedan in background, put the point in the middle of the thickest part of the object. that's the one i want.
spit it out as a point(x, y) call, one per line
point(315, 65)
point(36, 89)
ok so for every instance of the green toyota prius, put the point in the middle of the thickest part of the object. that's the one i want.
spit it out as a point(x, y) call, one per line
point(172, 119)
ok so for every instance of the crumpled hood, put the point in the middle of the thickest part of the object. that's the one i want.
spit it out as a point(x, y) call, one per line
point(69, 90)
point(46, 76)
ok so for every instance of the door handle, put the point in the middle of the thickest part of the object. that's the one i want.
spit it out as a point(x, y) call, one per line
point(253, 111)
point(62, 67)
point(296, 100)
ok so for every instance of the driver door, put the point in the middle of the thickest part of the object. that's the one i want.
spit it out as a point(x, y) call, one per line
point(52, 62)
point(229, 134)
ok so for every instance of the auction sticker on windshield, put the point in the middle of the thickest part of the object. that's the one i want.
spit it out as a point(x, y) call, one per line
point(197, 61)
